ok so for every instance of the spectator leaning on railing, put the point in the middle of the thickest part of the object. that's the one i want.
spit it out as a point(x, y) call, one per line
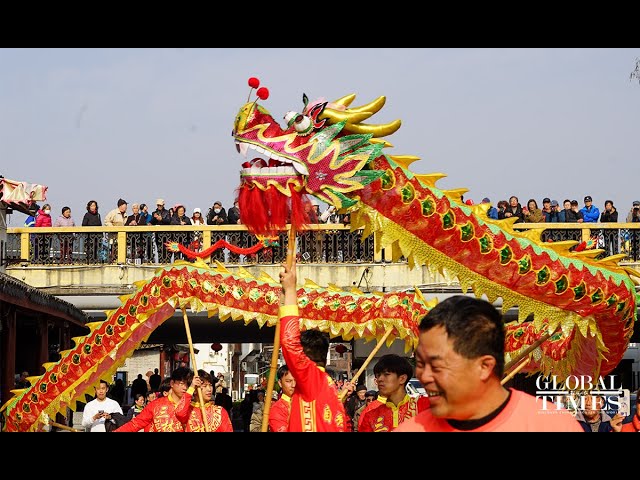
point(590, 213)
point(634, 213)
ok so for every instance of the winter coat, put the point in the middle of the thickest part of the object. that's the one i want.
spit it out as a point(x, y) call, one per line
point(91, 220)
point(43, 219)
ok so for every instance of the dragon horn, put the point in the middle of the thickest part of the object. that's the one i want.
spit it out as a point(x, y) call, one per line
point(336, 116)
point(376, 130)
point(346, 100)
point(372, 107)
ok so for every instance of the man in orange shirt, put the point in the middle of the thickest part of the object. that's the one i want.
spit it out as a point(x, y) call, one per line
point(315, 406)
point(460, 362)
point(280, 410)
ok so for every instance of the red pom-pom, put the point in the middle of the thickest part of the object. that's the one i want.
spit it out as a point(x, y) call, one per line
point(254, 82)
point(263, 93)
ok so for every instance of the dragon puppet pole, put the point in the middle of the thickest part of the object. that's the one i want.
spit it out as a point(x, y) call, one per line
point(195, 370)
point(515, 370)
point(529, 349)
point(291, 252)
point(354, 380)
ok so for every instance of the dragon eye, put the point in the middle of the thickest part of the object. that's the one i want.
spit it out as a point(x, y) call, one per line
point(289, 117)
point(302, 123)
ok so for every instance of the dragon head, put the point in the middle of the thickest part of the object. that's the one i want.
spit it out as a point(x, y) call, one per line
point(323, 150)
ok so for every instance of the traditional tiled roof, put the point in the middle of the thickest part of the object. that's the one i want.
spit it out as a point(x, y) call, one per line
point(12, 287)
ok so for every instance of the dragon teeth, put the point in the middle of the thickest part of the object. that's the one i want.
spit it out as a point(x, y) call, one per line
point(242, 148)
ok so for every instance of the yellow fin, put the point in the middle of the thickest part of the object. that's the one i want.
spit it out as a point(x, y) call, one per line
point(381, 140)
point(592, 254)
point(243, 273)
point(308, 283)
point(200, 263)
point(93, 325)
point(221, 268)
point(430, 179)
point(562, 247)
point(533, 234)
point(480, 209)
point(613, 260)
point(404, 160)
point(264, 277)
point(456, 194)
point(332, 287)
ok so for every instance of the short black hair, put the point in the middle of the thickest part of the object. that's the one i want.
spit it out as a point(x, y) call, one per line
point(206, 377)
point(474, 325)
point(393, 363)
point(182, 374)
point(282, 371)
point(165, 385)
point(315, 345)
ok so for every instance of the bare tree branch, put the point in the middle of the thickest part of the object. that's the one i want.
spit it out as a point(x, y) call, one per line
point(635, 75)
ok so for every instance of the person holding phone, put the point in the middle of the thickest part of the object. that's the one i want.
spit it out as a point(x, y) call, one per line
point(634, 425)
point(98, 410)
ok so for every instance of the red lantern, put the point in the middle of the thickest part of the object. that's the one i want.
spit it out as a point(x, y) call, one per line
point(341, 349)
point(177, 356)
point(216, 347)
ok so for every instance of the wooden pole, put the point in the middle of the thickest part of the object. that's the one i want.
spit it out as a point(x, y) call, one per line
point(291, 253)
point(515, 370)
point(47, 421)
point(195, 370)
point(343, 393)
point(529, 349)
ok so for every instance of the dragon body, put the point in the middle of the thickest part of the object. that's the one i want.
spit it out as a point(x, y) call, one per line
point(240, 297)
point(587, 305)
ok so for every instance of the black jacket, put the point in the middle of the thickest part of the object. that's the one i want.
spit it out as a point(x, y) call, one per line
point(221, 220)
point(91, 220)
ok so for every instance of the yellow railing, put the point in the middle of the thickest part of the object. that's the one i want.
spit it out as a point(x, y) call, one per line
point(322, 243)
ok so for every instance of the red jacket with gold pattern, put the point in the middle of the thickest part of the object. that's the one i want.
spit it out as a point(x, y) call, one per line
point(159, 415)
point(385, 417)
point(190, 415)
point(279, 414)
point(314, 406)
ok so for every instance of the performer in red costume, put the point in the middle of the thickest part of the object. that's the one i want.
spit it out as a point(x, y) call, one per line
point(160, 414)
point(189, 412)
point(281, 410)
point(314, 406)
point(392, 373)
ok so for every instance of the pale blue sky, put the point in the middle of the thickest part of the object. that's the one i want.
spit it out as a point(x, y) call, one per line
point(146, 123)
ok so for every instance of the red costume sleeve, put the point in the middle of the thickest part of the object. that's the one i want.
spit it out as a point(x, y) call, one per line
point(183, 409)
point(140, 421)
point(309, 378)
point(279, 416)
